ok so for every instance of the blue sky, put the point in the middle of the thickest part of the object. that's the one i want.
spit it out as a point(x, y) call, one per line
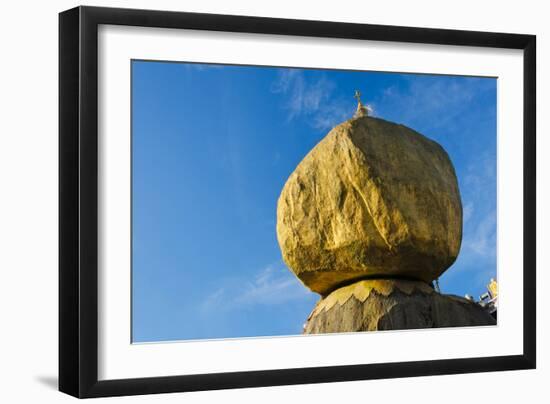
point(212, 147)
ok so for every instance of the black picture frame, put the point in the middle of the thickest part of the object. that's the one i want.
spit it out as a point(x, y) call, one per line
point(78, 201)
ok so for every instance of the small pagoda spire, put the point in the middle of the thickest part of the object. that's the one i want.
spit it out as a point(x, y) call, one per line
point(361, 109)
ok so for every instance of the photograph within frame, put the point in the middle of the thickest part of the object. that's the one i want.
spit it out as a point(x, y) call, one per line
point(205, 133)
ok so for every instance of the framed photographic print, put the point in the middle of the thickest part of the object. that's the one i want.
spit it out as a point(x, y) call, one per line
point(251, 201)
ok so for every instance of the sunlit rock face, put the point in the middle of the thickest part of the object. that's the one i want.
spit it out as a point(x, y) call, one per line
point(372, 199)
point(384, 304)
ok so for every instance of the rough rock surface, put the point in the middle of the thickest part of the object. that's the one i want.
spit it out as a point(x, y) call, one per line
point(372, 305)
point(373, 198)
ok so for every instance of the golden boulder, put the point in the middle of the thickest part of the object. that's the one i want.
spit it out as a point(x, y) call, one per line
point(372, 199)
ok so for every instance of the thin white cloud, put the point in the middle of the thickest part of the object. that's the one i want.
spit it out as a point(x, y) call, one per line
point(214, 301)
point(330, 115)
point(424, 96)
point(202, 66)
point(284, 80)
point(481, 174)
point(478, 189)
point(272, 285)
point(311, 99)
point(467, 212)
point(482, 241)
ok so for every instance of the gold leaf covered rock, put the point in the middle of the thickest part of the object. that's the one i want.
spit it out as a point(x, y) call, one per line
point(372, 199)
point(375, 305)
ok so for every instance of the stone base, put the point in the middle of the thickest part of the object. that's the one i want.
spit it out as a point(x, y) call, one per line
point(371, 305)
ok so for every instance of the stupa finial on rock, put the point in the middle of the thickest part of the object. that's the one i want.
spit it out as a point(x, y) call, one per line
point(374, 206)
point(362, 110)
